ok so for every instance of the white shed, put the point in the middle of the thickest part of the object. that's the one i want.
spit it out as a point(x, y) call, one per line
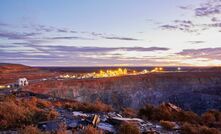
point(22, 82)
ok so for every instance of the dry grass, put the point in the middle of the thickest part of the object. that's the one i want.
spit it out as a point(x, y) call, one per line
point(11, 114)
point(57, 104)
point(188, 116)
point(129, 112)
point(62, 129)
point(167, 124)
point(98, 106)
point(164, 113)
point(91, 130)
point(101, 107)
point(188, 128)
point(207, 123)
point(212, 118)
point(18, 112)
point(30, 130)
point(40, 103)
point(128, 128)
point(208, 118)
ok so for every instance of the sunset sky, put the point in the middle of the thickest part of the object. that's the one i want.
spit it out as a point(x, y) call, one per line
point(111, 32)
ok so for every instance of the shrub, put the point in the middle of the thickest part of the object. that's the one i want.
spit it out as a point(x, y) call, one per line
point(193, 122)
point(101, 107)
point(167, 124)
point(188, 128)
point(30, 130)
point(62, 129)
point(208, 118)
point(40, 103)
point(11, 114)
point(52, 114)
point(43, 104)
point(217, 114)
point(128, 112)
point(16, 113)
point(164, 113)
point(216, 125)
point(128, 128)
point(98, 106)
point(58, 104)
point(147, 112)
point(157, 113)
point(207, 130)
point(187, 116)
point(91, 130)
point(38, 112)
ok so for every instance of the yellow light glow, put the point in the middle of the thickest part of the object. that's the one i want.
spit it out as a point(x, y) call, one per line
point(2, 86)
point(111, 73)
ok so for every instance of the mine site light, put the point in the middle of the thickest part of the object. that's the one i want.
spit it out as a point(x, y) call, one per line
point(2, 86)
point(112, 73)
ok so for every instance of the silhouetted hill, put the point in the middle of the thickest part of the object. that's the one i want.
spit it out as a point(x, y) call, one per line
point(12, 68)
point(9, 73)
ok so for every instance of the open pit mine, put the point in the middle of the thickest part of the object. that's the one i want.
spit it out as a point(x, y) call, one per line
point(195, 91)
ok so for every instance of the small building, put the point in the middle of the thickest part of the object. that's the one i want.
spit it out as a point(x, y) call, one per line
point(22, 82)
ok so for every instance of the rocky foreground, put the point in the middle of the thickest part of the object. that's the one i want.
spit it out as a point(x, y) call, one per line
point(27, 112)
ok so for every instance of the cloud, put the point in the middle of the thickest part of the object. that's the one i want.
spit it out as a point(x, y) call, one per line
point(188, 26)
point(41, 28)
point(99, 49)
point(185, 23)
point(66, 55)
point(36, 52)
point(44, 28)
point(145, 49)
point(215, 19)
point(209, 53)
point(120, 38)
point(209, 8)
point(214, 25)
point(169, 27)
point(205, 11)
point(196, 42)
point(72, 31)
point(62, 31)
point(34, 37)
point(69, 38)
point(3, 24)
point(186, 7)
point(180, 25)
point(205, 8)
point(16, 35)
point(96, 34)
